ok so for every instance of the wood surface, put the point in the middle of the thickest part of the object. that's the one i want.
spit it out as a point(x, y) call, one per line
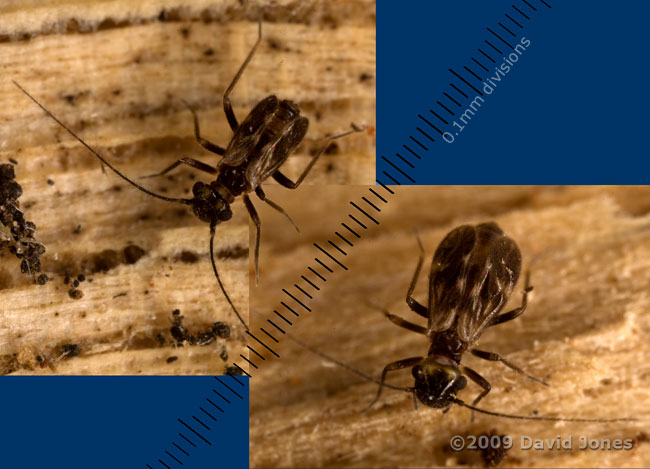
point(586, 330)
point(117, 73)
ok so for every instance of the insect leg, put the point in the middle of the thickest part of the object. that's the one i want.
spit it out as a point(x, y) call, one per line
point(227, 107)
point(188, 161)
point(289, 184)
point(413, 304)
point(213, 147)
point(510, 315)
point(478, 379)
point(401, 322)
point(494, 357)
point(394, 366)
point(260, 193)
point(258, 233)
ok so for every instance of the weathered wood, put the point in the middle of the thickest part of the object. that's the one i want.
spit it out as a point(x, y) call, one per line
point(586, 329)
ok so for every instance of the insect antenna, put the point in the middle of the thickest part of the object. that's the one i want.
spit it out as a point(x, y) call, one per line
point(547, 419)
point(347, 367)
point(216, 274)
point(96, 153)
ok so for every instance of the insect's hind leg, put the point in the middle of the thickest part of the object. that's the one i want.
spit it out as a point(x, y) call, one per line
point(258, 233)
point(394, 366)
point(213, 147)
point(188, 161)
point(227, 107)
point(413, 304)
point(260, 193)
point(289, 184)
point(510, 315)
point(495, 357)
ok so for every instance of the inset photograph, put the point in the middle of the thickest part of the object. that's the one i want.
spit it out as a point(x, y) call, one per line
point(137, 146)
point(516, 315)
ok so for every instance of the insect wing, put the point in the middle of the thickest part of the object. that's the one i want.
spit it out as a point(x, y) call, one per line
point(248, 133)
point(276, 152)
point(491, 272)
point(446, 279)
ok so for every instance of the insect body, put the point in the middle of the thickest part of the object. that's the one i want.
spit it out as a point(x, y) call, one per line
point(473, 273)
point(259, 146)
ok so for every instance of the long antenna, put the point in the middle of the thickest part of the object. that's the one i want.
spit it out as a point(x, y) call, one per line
point(548, 419)
point(96, 153)
point(454, 400)
point(216, 274)
point(343, 365)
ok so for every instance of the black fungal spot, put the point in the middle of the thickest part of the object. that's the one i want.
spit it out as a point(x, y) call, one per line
point(16, 233)
point(50, 182)
point(188, 257)
point(206, 338)
point(236, 252)
point(233, 371)
point(172, 359)
point(224, 355)
point(70, 350)
point(221, 329)
point(208, 52)
point(13, 161)
point(105, 260)
point(75, 293)
point(185, 32)
point(132, 254)
point(493, 454)
point(365, 77)
point(81, 277)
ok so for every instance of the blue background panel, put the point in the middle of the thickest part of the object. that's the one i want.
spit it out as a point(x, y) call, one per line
point(119, 421)
point(572, 110)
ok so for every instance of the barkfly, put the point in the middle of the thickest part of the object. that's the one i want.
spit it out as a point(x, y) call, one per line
point(259, 146)
point(473, 272)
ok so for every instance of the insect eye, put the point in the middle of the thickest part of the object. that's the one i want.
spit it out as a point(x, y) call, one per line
point(225, 215)
point(462, 382)
point(197, 189)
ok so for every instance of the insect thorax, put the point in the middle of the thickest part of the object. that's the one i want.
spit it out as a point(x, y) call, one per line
point(447, 344)
point(233, 178)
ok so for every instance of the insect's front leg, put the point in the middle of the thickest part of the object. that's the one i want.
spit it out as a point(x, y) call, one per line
point(495, 357)
point(213, 147)
point(227, 107)
point(258, 233)
point(394, 366)
point(478, 379)
point(413, 304)
point(402, 322)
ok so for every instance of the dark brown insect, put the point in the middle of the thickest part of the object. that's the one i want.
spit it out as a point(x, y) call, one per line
point(257, 150)
point(473, 272)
